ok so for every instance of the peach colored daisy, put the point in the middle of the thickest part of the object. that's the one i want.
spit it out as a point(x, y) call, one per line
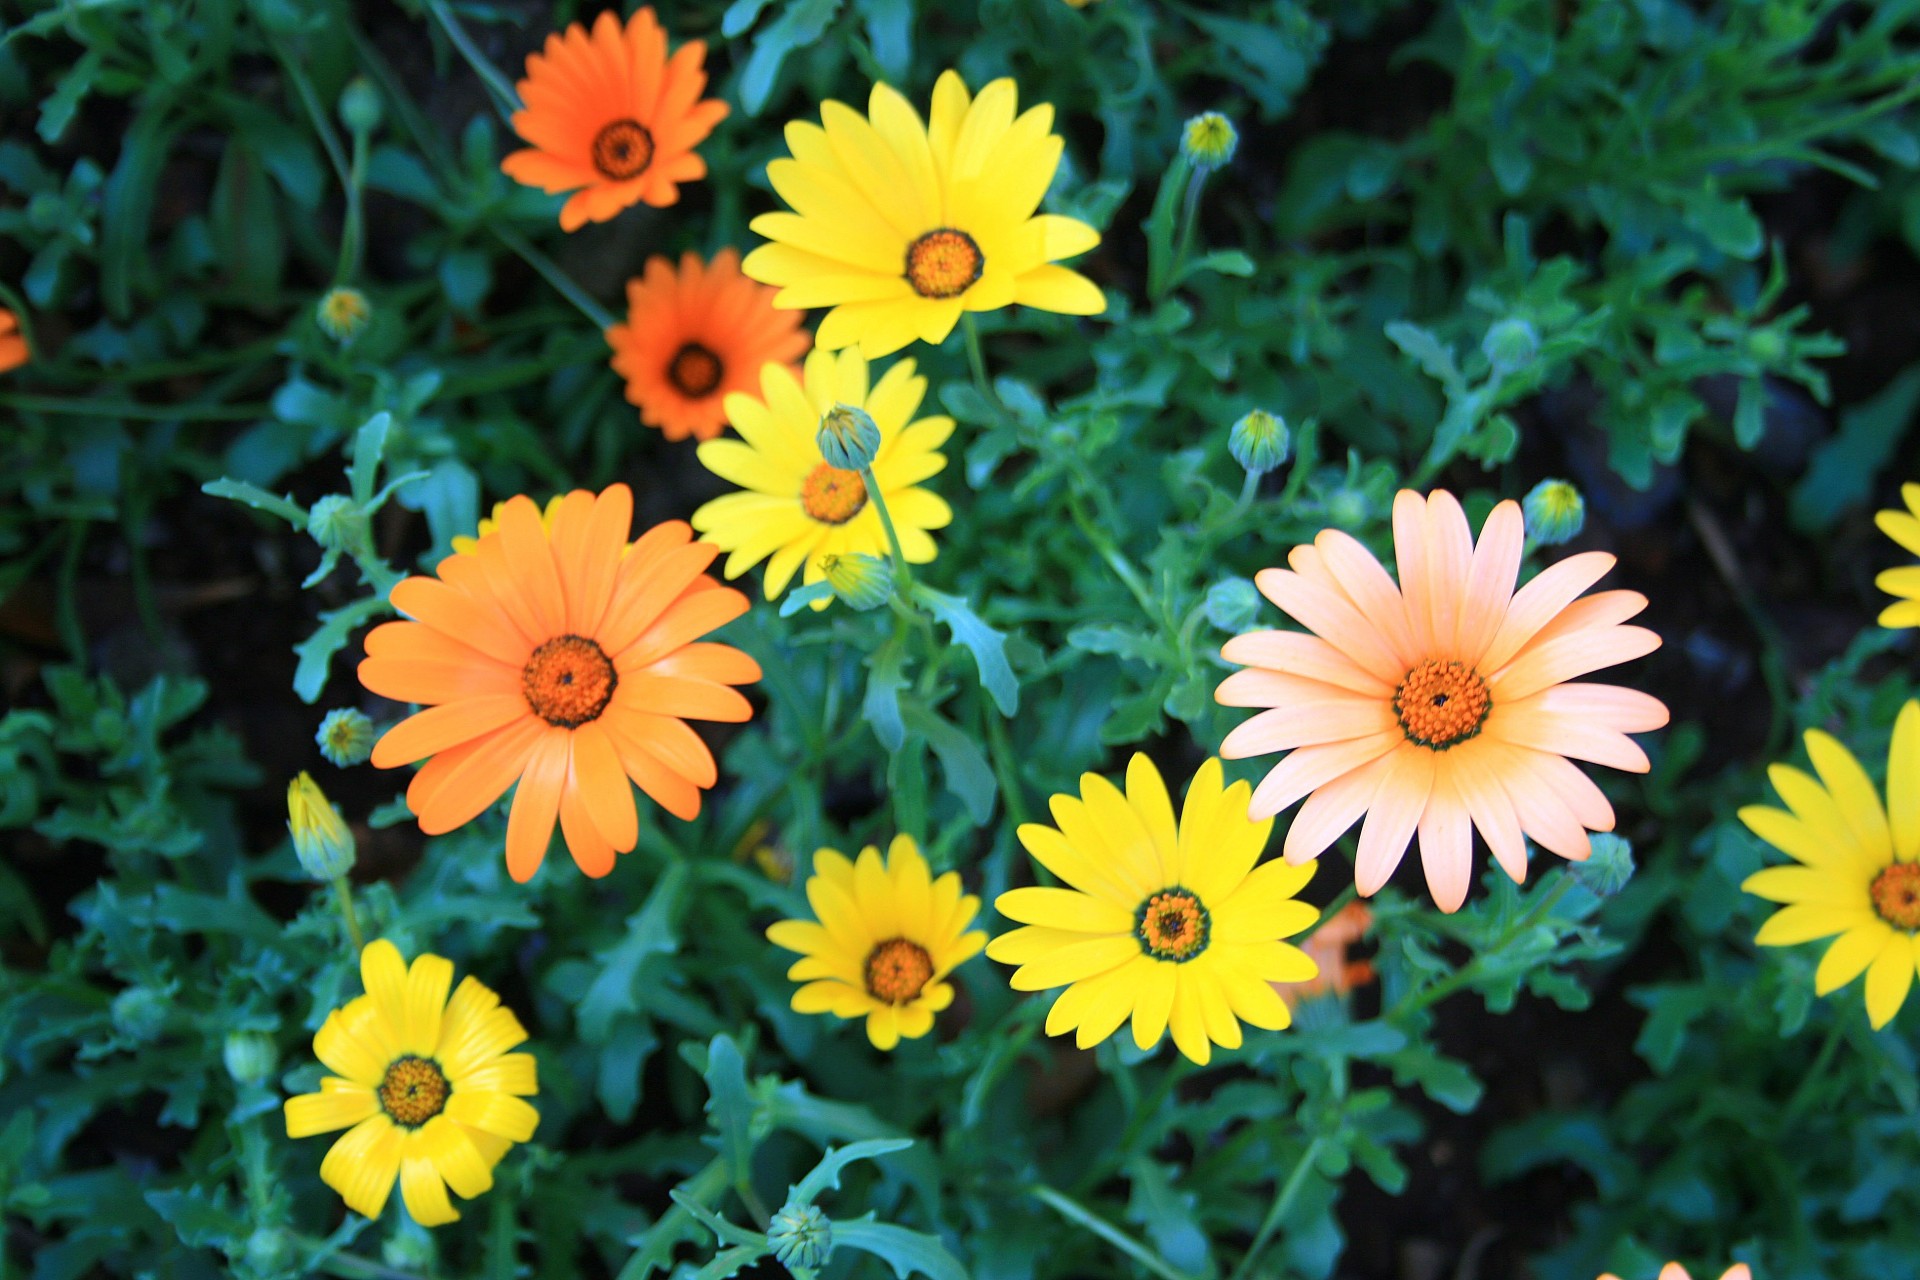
point(1440, 704)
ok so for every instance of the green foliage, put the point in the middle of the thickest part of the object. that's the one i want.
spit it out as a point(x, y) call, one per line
point(1532, 224)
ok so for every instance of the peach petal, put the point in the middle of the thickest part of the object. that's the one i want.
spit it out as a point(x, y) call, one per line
point(1392, 818)
point(1410, 552)
point(1496, 567)
point(1449, 560)
point(1310, 768)
point(1331, 616)
point(1538, 602)
point(1305, 724)
point(1564, 657)
point(1352, 569)
point(1308, 657)
point(1335, 807)
point(1446, 844)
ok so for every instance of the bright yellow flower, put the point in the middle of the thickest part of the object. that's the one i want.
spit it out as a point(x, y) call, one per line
point(1859, 872)
point(1167, 922)
point(423, 1085)
point(1904, 528)
point(900, 225)
point(887, 937)
point(465, 546)
point(798, 510)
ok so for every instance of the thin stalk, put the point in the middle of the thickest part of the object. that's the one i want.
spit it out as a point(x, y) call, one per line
point(349, 1266)
point(1006, 770)
point(977, 358)
point(506, 100)
point(1277, 1212)
point(353, 232)
point(343, 892)
point(562, 283)
point(1189, 215)
point(142, 412)
point(1466, 973)
point(1081, 1217)
point(902, 574)
point(1804, 1094)
point(1121, 566)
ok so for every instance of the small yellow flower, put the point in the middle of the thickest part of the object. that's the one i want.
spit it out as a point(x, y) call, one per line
point(423, 1085)
point(1859, 866)
point(1166, 922)
point(321, 841)
point(1904, 528)
point(343, 313)
point(886, 939)
point(463, 546)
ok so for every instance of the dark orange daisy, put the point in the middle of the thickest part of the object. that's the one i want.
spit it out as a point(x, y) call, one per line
point(13, 344)
point(695, 336)
point(612, 118)
point(564, 662)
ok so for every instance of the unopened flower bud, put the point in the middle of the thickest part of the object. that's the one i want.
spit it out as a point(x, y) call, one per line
point(849, 438)
point(1209, 140)
point(250, 1056)
point(342, 313)
point(269, 1252)
point(321, 840)
point(1510, 345)
point(140, 1013)
point(1260, 441)
point(360, 105)
point(801, 1236)
point(1555, 512)
point(335, 522)
point(1608, 868)
point(1231, 605)
point(345, 737)
point(859, 581)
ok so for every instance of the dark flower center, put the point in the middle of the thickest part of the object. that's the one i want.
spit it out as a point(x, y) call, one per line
point(623, 150)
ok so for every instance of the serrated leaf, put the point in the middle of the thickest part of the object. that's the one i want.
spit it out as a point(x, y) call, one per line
point(826, 1174)
point(316, 651)
point(989, 647)
point(730, 1105)
point(259, 499)
point(369, 449)
point(649, 932)
point(799, 25)
point(905, 1251)
point(886, 677)
point(1426, 349)
point(724, 1232)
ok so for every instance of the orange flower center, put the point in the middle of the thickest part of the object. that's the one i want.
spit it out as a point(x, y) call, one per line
point(1896, 895)
point(897, 970)
point(414, 1091)
point(1442, 704)
point(569, 681)
point(944, 263)
point(623, 150)
point(695, 371)
point(833, 496)
point(1172, 925)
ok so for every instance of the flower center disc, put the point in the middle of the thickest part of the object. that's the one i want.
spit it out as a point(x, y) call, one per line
point(695, 371)
point(833, 496)
point(944, 263)
point(1896, 895)
point(1442, 704)
point(568, 681)
point(897, 970)
point(623, 150)
point(414, 1091)
point(1172, 925)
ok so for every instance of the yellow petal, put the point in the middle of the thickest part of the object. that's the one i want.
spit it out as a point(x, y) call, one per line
point(363, 1164)
point(1849, 956)
point(500, 1113)
point(426, 1000)
point(1153, 1003)
point(425, 1193)
point(448, 1145)
point(1903, 783)
point(1803, 922)
point(1806, 884)
point(1064, 909)
point(340, 1104)
point(384, 975)
point(1888, 978)
point(515, 1073)
point(1147, 793)
point(352, 1042)
point(883, 1027)
point(1853, 791)
point(1901, 527)
point(1076, 962)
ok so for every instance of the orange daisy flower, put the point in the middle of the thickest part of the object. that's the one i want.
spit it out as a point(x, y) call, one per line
point(696, 336)
point(1327, 947)
point(611, 118)
point(13, 344)
point(553, 660)
point(1440, 704)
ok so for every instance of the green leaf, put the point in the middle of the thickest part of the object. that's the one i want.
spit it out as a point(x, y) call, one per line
point(58, 108)
point(728, 1262)
point(798, 598)
point(128, 204)
point(905, 1251)
point(889, 34)
point(989, 647)
point(826, 1174)
point(259, 499)
point(799, 25)
point(199, 1219)
point(967, 772)
point(1427, 351)
point(724, 1232)
point(316, 651)
point(650, 931)
point(730, 1105)
point(886, 677)
point(1846, 465)
point(369, 448)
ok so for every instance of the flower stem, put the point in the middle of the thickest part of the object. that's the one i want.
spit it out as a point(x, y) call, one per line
point(1804, 1094)
point(901, 573)
point(343, 892)
point(1081, 1217)
point(563, 284)
point(977, 359)
point(505, 100)
point(1276, 1213)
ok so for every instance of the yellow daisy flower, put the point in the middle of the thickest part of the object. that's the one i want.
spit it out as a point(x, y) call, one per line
point(900, 225)
point(798, 510)
point(886, 939)
point(1166, 922)
point(424, 1087)
point(1904, 528)
point(466, 546)
point(1859, 872)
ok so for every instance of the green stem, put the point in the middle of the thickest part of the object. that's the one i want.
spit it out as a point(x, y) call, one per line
point(142, 412)
point(1006, 770)
point(903, 576)
point(344, 893)
point(977, 359)
point(563, 284)
point(346, 1265)
point(1121, 566)
point(1277, 1212)
point(1465, 975)
point(505, 100)
point(743, 1187)
point(1081, 1217)
point(353, 232)
point(1189, 215)
point(1804, 1094)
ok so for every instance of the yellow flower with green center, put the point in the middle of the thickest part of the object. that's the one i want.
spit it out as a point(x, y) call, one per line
point(1166, 922)
point(1904, 528)
point(887, 935)
point(797, 509)
point(423, 1085)
point(900, 225)
point(1858, 872)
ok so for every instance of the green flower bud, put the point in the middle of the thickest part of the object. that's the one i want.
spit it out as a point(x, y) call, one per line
point(1767, 346)
point(342, 313)
point(1510, 345)
point(1260, 441)
point(801, 1236)
point(269, 1252)
point(1608, 868)
point(336, 522)
point(1232, 605)
point(849, 438)
point(321, 841)
point(1347, 508)
point(345, 737)
point(859, 581)
point(1555, 512)
point(1209, 140)
point(409, 1248)
point(250, 1056)
point(360, 105)
point(140, 1013)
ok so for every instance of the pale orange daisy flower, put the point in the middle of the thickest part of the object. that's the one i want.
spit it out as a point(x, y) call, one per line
point(1674, 1271)
point(612, 118)
point(695, 336)
point(1441, 704)
point(13, 344)
point(564, 662)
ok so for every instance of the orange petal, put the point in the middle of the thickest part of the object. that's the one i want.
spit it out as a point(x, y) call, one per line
point(671, 742)
point(718, 663)
point(591, 851)
point(688, 699)
point(648, 585)
point(602, 786)
point(448, 725)
point(459, 784)
point(451, 611)
point(536, 804)
point(668, 789)
point(689, 618)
